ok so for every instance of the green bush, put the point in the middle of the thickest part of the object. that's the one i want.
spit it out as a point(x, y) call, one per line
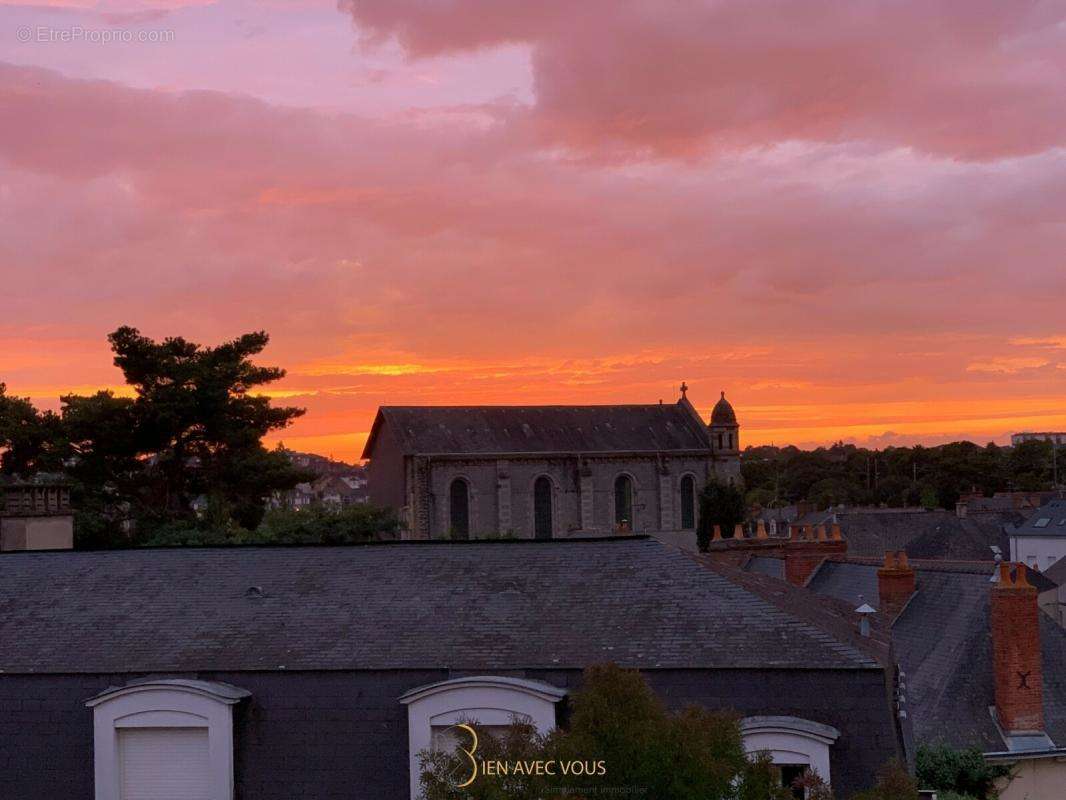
point(964, 772)
point(616, 719)
point(314, 525)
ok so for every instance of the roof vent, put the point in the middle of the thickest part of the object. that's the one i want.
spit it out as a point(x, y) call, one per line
point(254, 592)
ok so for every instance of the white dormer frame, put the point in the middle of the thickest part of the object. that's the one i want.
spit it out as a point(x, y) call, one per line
point(791, 740)
point(488, 699)
point(165, 703)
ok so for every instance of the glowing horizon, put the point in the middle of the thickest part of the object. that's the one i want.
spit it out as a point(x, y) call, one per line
point(498, 202)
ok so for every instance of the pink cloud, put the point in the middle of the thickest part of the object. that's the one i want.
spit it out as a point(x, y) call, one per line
point(971, 79)
point(815, 282)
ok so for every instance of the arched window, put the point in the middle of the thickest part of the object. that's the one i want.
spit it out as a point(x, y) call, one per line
point(623, 502)
point(688, 502)
point(459, 509)
point(542, 507)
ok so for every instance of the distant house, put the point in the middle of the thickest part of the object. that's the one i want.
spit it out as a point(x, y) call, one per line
point(981, 665)
point(315, 672)
point(548, 471)
point(1040, 541)
point(338, 491)
point(1055, 437)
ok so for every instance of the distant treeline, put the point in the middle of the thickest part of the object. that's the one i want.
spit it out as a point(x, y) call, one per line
point(896, 476)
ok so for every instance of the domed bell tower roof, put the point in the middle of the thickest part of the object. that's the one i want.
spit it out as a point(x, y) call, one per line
point(723, 413)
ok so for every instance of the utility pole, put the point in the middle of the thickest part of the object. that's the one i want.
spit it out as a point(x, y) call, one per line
point(1055, 462)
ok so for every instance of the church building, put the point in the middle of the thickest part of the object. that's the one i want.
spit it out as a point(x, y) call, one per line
point(548, 471)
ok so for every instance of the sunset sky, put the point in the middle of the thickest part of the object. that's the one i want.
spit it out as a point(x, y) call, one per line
point(850, 216)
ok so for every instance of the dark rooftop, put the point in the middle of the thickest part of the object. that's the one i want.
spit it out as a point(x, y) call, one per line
point(943, 643)
point(1048, 520)
point(470, 605)
point(921, 533)
point(541, 429)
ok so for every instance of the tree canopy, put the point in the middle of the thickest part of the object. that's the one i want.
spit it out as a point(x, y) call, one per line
point(721, 505)
point(896, 476)
point(193, 427)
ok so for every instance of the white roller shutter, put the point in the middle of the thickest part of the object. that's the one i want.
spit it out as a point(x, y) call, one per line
point(164, 764)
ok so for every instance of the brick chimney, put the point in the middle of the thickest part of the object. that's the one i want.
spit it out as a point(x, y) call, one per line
point(805, 550)
point(895, 583)
point(36, 517)
point(1016, 655)
point(802, 552)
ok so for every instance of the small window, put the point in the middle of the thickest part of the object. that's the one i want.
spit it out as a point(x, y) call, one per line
point(1042, 522)
point(623, 502)
point(790, 773)
point(459, 509)
point(688, 503)
point(542, 508)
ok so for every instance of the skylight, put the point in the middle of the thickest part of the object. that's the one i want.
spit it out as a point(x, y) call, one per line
point(1042, 522)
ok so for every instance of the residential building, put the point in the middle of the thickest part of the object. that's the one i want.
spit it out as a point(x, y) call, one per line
point(281, 672)
point(1055, 437)
point(1040, 541)
point(980, 663)
point(549, 471)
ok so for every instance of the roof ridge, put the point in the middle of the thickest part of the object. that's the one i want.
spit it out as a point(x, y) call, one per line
point(640, 537)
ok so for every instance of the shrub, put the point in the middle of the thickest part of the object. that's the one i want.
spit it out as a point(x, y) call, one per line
point(964, 772)
point(616, 719)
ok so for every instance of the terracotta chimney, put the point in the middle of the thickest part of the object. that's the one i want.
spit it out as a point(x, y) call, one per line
point(804, 552)
point(1016, 655)
point(895, 583)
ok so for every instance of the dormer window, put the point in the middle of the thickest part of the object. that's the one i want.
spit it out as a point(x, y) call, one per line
point(164, 738)
point(491, 701)
point(796, 746)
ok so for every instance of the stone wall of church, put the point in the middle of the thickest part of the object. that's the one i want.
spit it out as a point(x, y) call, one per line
point(501, 493)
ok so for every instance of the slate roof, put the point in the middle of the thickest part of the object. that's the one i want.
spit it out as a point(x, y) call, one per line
point(922, 534)
point(1048, 520)
point(459, 605)
point(942, 642)
point(485, 430)
point(828, 613)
